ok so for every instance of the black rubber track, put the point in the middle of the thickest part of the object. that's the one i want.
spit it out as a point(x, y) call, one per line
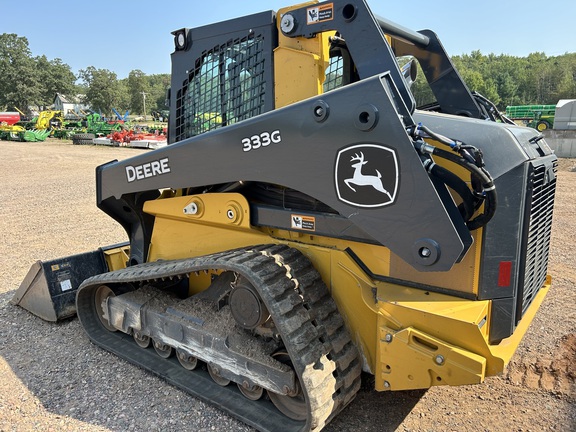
point(323, 356)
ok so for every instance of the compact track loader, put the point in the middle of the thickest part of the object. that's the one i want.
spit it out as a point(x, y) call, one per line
point(308, 222)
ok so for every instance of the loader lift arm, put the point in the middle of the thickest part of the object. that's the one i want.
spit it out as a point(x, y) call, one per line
point(359, 27)
point(430, 236)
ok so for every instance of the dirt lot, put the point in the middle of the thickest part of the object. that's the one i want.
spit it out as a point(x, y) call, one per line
point(54, 379)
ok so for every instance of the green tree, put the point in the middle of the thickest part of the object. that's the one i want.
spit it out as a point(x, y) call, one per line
point(158, 85)
point(103, 90)
point(565, 67)
point(476, 71)
point(138, 89)
point(123, 102)
point(56, 77)
point(19, 78)
point(537, 78)
point(507, 74)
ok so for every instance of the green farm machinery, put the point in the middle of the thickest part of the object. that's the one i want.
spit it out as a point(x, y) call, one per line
point(93, 126)
point(539, 117)
point(38, 129)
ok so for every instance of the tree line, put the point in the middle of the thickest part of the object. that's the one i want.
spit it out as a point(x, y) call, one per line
point(28, 81)
point(508, 80)
point(34, 81)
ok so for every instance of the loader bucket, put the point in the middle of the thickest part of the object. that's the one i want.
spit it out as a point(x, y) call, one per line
point(49, 288)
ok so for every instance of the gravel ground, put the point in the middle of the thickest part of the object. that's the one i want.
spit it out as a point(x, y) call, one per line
point(54, 379)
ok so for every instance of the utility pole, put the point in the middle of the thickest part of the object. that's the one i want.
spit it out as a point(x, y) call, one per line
point(144, 100)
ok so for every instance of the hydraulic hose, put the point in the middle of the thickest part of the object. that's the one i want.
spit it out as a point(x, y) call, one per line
point(470, 159)
point(450, 179)
point(489, 209)
point(489, 190)
point(490, 108)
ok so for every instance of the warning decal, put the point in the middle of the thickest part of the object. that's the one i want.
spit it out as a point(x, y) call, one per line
point(318, 14)
point(306, 223)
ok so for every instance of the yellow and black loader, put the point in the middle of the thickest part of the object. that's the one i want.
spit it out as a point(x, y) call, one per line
point(308, 222)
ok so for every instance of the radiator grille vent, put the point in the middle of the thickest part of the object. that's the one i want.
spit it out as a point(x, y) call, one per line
point(541, 193)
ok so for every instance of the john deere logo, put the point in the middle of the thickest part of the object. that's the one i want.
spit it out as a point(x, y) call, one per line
point(367, 175)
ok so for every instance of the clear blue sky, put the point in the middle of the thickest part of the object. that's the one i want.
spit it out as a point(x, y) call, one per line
point(125, 35)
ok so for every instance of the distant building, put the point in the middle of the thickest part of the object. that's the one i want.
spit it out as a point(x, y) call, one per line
point(70, 105)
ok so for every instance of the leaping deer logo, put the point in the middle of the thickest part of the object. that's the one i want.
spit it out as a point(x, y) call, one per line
point(360, 179)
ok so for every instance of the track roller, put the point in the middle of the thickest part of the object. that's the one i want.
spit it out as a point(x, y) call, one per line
point(188, 362)
point(163, 350)
point(141, 340)
point(252, 392)
point(214, 372)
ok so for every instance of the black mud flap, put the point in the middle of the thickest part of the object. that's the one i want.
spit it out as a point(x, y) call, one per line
point(49, 288)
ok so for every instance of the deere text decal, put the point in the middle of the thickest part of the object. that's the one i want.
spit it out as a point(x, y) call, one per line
point(150, 169)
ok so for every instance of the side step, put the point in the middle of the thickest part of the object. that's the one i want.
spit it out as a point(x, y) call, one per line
point(49, 288)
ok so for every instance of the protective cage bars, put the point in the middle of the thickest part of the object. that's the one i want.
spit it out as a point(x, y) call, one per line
point(334, 73)
point(227, 85)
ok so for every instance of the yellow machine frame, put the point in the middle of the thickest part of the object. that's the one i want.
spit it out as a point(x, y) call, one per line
point(409, 338)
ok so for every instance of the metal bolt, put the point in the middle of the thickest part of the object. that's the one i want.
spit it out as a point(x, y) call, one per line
point(425, 252)
point(191, 208)
point(439, 359)
point(388, 338)
point(230, 213)
point(320, 110)
point(386, 384)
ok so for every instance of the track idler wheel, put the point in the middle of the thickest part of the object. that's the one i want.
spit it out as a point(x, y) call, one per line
point(292, 406)
point(100, 296)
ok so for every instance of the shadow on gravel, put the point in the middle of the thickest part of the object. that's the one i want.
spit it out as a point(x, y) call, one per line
point(72, 377)
point(374, 411)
